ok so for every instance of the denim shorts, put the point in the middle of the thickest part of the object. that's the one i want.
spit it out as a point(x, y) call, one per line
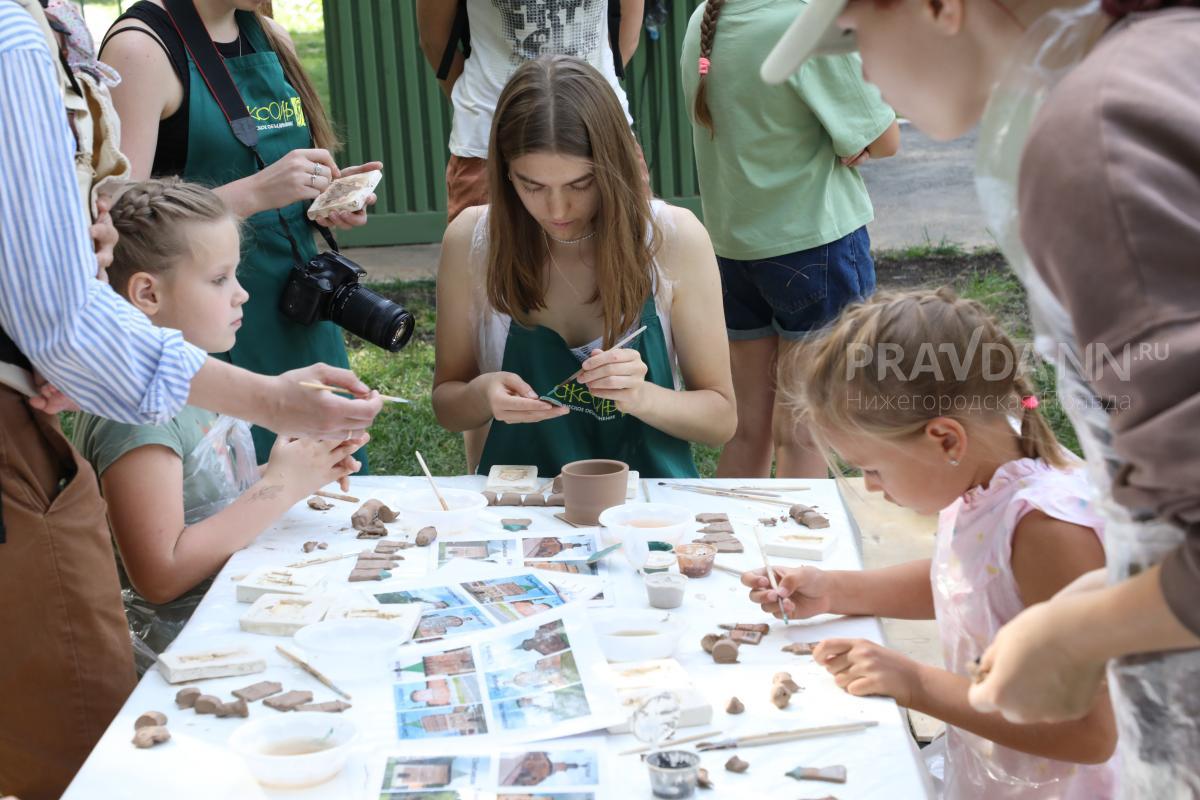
point(796, 294)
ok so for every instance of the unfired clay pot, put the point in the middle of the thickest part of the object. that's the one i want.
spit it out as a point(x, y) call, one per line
point(591, 486)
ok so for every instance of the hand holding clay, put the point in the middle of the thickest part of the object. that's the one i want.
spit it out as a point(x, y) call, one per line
point(345, 220)
point(301, 466)
point(804, 592)
point(291, 409)
point(49, 400)
point(1034, 670)
point(618, 375)
point(862, 668)
point(512, 400)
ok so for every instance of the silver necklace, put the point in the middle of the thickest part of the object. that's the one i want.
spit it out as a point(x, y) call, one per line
point(583, 238)
point(554, 262)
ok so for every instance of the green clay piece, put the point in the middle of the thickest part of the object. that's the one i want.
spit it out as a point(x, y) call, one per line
point(664, 547)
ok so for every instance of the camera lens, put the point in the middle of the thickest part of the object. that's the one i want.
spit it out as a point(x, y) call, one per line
point(372, 317)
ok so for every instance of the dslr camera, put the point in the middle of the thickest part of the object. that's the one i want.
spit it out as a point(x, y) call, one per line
point(328, 288)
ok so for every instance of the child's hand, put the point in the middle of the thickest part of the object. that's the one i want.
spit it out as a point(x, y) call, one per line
point(805, 591)
point(862, 668)
point(302, 466)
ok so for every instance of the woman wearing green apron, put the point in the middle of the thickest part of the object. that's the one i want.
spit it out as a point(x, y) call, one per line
point(569, 258)
point(172, 125)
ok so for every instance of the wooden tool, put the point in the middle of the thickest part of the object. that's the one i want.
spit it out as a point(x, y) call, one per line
point(785, 736)
point(648, 747)
point(311, 670)
point(432, 485)
point(319, 560)
point(712, 492)
point(548, 395)
point(345, 498)
point(771, 488)
point(728, 569)
point(340, 390)
point(770, 573)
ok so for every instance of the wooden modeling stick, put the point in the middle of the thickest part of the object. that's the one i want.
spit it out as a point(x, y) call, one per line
point(335, 496)
point(548, 395)
point(326, 387)
point(770, 573)
point(432, 485)
point(311, 670)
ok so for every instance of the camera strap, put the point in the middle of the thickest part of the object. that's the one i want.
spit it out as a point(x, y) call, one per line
point(211, 66)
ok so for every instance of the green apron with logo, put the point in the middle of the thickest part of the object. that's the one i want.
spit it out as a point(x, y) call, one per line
point(267, 343)
point(594, 428)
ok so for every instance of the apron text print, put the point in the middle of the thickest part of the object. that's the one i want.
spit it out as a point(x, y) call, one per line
point(278, 114)
point(576, 397)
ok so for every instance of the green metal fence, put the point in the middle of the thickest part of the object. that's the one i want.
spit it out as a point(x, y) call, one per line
point(389, 107)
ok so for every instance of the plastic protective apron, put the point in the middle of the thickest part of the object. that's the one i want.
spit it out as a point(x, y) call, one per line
point(268, 343)
point(594, 428)
point(1156, 697)
point(218, 470)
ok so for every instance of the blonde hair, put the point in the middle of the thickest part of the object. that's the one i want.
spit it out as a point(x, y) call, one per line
point(559, 104)
point(150, 218)
point(894, 362)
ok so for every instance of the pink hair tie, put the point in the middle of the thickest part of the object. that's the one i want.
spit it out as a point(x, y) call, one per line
point(1030, 402)
point(704, 65)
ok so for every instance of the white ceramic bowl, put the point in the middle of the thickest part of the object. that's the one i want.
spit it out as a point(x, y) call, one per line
point(635, 635)
point(260, 741)
point(353, 648)
point(419, 508)
point(667, 523)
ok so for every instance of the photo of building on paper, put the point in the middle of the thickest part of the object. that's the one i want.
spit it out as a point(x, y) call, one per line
point(497, 550)
point(549, 672)
point(435, 598)
point(458, 690)
point(510, 612)
point(554, 546)
point(550, 768)
point(568, 567)
point(542, 710)
point(451, 662)
point(555, 796)
point(444, 795)
point(450, 622)
point(435, 723)
point(435, 772)
point(524, 648)
point(509, 590)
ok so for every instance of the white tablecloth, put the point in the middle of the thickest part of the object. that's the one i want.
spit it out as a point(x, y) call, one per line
point(882, 762)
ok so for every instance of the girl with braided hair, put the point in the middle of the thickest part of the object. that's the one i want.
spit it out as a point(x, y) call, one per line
point(787, 213)
point(924, 393)
point(184, 496)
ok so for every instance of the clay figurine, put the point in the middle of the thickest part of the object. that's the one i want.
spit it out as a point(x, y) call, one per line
point(735, 706)
point(257, 691)
point(150, 736)
point(369, 518)
point(186, 697)
point(835, 774)
point(511, 524)
point(426, 536)
point(709, 640)
point(708, 519)
point(725, 651)
point(800, 648)
point(150, 718)
point(234, 708)
point(319, 504)
point(735, 764)
point(329, 707)
point(288, 700)
point(509, 499)
point(782, 689)
point(808, 516)
point(207, 704)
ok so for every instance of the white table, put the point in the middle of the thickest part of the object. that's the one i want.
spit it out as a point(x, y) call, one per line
point(882, 761)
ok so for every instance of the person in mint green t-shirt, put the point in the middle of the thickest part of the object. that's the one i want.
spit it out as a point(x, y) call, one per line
point(185, 495)
point(784, 205)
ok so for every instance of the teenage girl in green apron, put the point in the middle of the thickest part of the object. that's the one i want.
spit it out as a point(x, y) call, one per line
point(569, 257)
point(172, 125)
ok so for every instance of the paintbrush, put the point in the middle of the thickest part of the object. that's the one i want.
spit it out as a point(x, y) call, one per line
point(770, 573)
point(335, 496)
point(432, 485)
point(311, 670)
point(784, 736)
point(683, 487)
point(684, 740)
point(340, 390)
point(548, 395)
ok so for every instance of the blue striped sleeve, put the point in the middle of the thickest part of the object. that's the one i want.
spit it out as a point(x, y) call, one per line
point(96, 348)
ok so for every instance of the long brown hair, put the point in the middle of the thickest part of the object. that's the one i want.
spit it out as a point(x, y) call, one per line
point(323, 135)
point(708, 32)
point(945, 357)
point(559, 104)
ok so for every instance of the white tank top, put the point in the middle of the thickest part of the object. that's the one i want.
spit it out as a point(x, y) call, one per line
point(505, 33)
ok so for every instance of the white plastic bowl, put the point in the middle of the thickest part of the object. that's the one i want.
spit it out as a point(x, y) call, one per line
point(419, 508)
point(636, 635)
point(353, 648)
point(256, 741)
point(672, 522)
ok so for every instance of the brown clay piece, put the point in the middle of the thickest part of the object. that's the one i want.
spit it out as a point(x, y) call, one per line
point(257, 691)
point(150, 718)
point(702, 779)
point(808, 516)
point(746, 637)
point(369, 518)
point(490, 497)
point(319, 504)
point(834, 774)
point(707, 519)
point(387, 548)
point(782, 689)
point(760, 627)
point(709, 640)
point(785, 679)
point(373, 531)
point(308, 547)
point(371, 574)
point(717, 527)
point(725, 651)
point(735, 764)
point(534, 500)
point(728, 546)
point(150, 736)
point(800, 648)
point(234, 708)
point(509, 499)
point(769, 522)
point(288, 700)
point(330, 706)
point(426, 536)
point(186, 697)
point(735, 706)
point(557, 500)
point(207, 704)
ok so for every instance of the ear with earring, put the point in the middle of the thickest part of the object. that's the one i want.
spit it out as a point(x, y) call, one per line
point(953, 462)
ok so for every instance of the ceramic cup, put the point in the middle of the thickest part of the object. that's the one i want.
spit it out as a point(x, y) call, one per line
point(696, 559)
point(591, 486)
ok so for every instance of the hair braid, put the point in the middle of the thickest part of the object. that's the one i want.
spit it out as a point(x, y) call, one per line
point(708, 32)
